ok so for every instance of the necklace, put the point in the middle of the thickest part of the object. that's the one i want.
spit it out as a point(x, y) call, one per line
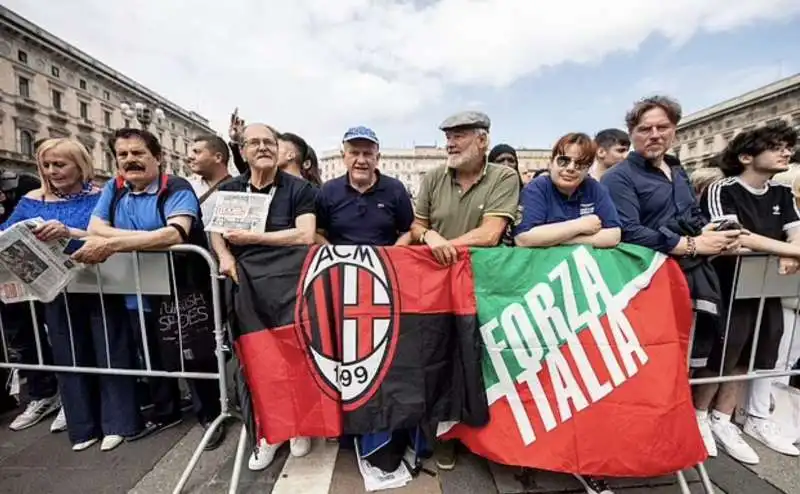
point(85, 189)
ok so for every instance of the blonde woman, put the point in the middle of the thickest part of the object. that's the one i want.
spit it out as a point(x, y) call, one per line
point(701, 178)
point(95, 406)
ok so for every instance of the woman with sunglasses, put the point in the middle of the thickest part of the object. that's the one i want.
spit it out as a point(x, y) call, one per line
point(567, 206)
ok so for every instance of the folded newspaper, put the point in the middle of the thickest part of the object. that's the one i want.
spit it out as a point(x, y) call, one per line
point(239, 211)
point(31, 269)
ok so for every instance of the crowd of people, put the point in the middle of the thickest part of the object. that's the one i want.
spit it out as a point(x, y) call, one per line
point(618, 186)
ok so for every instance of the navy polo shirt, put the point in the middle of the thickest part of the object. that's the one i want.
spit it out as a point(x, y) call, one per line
point(543, 204)
point(647, 201)
point(379, 216)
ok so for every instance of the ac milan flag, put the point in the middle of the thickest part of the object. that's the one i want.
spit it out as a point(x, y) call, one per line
point(569, 359)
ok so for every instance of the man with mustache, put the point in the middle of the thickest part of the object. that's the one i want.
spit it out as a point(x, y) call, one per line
point(658, 209)
point(291, 221)
point(467, 202)
point(144, 209)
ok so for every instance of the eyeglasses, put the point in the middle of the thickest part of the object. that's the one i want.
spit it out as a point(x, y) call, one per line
point(255, 143)
point(564, 161)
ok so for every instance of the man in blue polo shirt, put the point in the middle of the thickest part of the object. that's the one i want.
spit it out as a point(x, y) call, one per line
point(143, 209)
point(364, 207)
point(567, 206)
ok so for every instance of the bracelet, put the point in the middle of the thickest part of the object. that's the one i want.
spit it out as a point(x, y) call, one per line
point(691, 247)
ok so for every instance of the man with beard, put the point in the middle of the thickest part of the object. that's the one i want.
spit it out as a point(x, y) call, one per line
point(291, 221)
point(767, 210)
point(144, 209)
point(658, 209)
point(208, 159)
point(467, 202)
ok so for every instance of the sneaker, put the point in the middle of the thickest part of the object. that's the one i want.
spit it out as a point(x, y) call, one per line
point(708, 437)
point(84, 445)
point(769, 433)
point(446, 455)
point(35, 412)
point(262, 455)
point(60, 423)
point(729, 437)
point(300, 446)
point(594, 485)
point(111, 442)
point(152, 427)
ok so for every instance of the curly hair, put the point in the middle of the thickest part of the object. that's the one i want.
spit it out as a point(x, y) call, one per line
point(755, 142)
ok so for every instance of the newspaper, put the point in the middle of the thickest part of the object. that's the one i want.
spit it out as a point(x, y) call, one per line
point(31, 269)
point(239, 211)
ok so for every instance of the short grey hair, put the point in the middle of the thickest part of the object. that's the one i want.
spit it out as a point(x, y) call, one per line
point(670, 106)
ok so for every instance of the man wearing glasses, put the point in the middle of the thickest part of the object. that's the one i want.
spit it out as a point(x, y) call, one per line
point(290, 221)
point(567, 206)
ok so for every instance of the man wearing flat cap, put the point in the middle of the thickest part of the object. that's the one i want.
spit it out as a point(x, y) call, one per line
point(468, 202)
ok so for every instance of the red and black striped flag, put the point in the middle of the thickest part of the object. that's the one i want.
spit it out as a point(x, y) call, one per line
point(354, 340)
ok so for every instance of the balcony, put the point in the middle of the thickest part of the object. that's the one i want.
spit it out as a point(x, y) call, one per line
point(59, 117)
point(26, 104)
point(85, 125)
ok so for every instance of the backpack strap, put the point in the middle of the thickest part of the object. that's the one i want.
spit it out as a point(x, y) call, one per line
point(119, 190)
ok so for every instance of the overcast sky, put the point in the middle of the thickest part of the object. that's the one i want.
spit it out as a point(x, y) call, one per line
point(539, 69)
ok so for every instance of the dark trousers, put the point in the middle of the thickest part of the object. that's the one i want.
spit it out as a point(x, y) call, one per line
point(165, 392)
point(95, 405)
point(20, 341)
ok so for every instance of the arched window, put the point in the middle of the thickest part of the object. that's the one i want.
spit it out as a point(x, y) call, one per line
point(26, 143)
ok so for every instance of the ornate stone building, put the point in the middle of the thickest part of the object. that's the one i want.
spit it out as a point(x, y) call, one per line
point(703, 134)
point(49, 88)
point(410, 165)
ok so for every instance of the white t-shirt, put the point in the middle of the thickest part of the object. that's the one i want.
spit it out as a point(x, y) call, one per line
point(207, 208)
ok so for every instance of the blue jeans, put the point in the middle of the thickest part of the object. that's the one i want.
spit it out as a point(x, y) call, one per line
point(20, 341)
point(95, 405)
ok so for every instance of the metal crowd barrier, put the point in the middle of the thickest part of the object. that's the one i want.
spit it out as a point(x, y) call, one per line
point(756, 277)
point(142, 274)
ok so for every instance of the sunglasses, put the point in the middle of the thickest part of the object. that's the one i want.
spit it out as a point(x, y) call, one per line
point(564, 161)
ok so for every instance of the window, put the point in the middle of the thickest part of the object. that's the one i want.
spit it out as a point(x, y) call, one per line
point(24, 87)
point(728, 124)
point(26, 143)
point(160, 136)
point(55, 71)
point(186, 148)
point(106, 95)
point(109, 161)
point(84, 110)
point(22, 57)
point(82, 84)
point(127, 123)
point(107, 118)
point(56, 99)
point(174, 144)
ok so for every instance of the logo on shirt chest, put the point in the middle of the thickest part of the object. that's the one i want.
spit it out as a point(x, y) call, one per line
point(586, 208)
point(776, 210)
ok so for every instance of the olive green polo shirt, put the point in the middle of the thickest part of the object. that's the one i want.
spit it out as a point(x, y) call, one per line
point(452, 212)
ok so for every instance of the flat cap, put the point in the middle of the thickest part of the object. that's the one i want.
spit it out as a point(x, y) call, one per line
point(467, 120)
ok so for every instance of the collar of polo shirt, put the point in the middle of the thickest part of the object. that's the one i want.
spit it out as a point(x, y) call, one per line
point(371, 187)
point(152, 188)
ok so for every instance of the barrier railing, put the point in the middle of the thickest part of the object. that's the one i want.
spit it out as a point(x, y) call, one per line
point(756, 277)
point(144, 285)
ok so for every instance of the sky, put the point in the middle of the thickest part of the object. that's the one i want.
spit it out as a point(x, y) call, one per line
point(538, 69)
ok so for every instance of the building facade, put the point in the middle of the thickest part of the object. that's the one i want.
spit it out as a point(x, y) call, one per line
point(410, 165)
point(704, 134)
point(49, 88)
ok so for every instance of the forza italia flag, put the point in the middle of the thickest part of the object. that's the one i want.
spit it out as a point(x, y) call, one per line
point(585, 362)
point(354, 340)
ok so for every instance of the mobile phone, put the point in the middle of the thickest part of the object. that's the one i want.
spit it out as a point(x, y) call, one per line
point(725, 225)
point(73, 246)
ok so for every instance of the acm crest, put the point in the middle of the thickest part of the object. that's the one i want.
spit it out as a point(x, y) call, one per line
point(348, 317)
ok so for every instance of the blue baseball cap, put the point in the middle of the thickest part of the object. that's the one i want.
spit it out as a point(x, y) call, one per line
point(360, 132)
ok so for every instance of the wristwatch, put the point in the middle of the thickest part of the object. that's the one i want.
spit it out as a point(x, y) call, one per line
point(422, 237)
